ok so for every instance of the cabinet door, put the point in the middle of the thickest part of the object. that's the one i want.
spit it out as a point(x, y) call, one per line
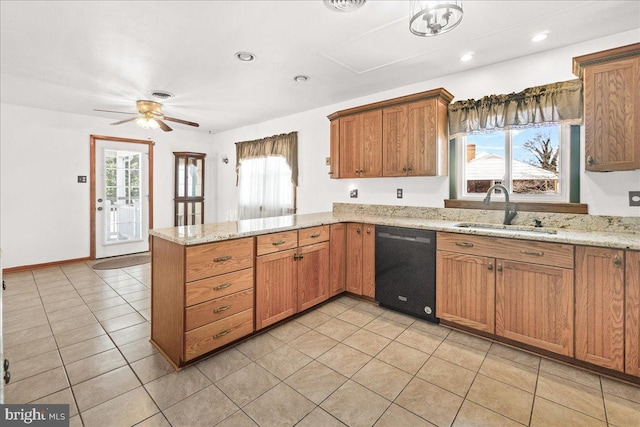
point(369, 260)
point(423, 142)
point(394, 140)
point(337, 258)
point(534, 305)
point(334, 162)
point(350, 146)
point(276, 287)
point(353, 275)
point(612, 115)
point(371, 154)
point(313, 275)
point(465, 290)
point(632, 327)
point(600, 306)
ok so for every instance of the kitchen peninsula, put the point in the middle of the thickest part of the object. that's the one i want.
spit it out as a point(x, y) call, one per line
point(214, 284)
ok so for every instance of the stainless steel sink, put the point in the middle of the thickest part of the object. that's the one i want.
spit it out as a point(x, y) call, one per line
point(519, 228)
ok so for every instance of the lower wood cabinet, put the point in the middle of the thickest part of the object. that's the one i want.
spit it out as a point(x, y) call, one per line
point(632, 313)
point(600, 306)
point(360, 259)
point(292, 280)
point(534, 305)
point(337, 258)
point(465, 290)
point(520, 290)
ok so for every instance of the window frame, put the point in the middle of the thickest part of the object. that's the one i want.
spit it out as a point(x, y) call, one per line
point(566, 181)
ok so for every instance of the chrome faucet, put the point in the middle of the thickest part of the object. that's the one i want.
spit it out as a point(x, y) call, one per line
point(508, 214)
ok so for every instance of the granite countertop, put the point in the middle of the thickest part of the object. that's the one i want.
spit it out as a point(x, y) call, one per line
point(628, 238)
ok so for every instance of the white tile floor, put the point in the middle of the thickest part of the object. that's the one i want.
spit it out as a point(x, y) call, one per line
point(79, 336)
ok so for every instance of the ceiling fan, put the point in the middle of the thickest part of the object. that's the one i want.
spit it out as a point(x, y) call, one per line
point(150, 116)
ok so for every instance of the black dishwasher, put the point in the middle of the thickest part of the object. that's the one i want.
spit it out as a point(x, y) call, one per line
point(406, 270)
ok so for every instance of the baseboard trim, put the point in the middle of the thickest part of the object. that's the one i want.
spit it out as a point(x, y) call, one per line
point(43, 265)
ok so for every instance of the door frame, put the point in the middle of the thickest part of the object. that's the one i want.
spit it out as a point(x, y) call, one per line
point(92, 180)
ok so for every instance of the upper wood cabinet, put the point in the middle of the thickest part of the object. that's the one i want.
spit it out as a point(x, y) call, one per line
point(404, 136)
point(611, 108)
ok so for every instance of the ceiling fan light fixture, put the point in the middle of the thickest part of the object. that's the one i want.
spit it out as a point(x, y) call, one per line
point(430, 18)
point(147, 122)
point(344, 5)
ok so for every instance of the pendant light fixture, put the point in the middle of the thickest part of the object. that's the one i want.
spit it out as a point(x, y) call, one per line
point(430, 18)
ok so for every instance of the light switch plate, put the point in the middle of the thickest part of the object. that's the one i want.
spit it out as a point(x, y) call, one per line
point(634, 198)
point(399, 193)
point(82, 179)
point(327, 161)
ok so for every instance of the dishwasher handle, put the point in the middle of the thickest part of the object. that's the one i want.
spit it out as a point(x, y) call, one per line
point(419, 239)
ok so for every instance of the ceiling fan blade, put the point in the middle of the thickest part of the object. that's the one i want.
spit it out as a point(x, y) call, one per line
point(162, 124)
point(184, 122)
point(124, 121)
point(110, 111)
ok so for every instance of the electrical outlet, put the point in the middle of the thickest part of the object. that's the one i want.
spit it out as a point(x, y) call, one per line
point(82, 179)
point(353, 194)
point(327, 161)
point(399, 193)
point(634, 198)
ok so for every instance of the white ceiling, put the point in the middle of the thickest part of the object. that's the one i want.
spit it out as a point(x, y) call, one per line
point(76, 56)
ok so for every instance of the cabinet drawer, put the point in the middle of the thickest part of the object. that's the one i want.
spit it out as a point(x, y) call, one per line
point(219, 308)
point(551, 254)
point(219, 286)
point(311, 235)
point(213, 259)
point(276, 242)
point(209, 337)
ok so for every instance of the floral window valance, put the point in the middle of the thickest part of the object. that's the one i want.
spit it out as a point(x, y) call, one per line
point(553, 103)
point(283, 145)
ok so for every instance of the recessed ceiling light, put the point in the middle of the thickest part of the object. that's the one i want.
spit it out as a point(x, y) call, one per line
point(245, 56)
point(539, 37)
point(162, 94)
point(466, 57)
point(301, 78)
point(344, 5)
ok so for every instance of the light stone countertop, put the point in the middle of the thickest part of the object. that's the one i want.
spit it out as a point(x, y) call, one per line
point(198, 234)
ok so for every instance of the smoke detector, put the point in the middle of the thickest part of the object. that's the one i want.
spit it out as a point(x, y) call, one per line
point(344, 5)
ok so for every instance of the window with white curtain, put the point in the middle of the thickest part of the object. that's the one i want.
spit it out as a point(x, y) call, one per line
point(265, 188)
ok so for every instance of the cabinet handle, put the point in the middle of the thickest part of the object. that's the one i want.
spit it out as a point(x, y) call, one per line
point(617, 261)
point(358, 230)
point(6, 364)
point(490, 267)
point(221, 334)
point(7, 377)
point(221, 287)
point(279, 242)
point(222, 258)
point(464, 244)
point(410, 169)
point(368, 231)
point(330, 173)
point(590, 161)
point(313, 236)
point(404, 169)
point(221, 309)
point(534, 253)
point(499, 268)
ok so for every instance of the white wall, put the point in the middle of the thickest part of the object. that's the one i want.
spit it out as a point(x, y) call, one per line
point(605, 193)
point(44, 212)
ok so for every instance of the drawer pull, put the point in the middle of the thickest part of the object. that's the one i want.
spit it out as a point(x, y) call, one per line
point(313, 236)
point(221, 334)
point(222, 258)
point(279, 242)
point(464, 244)
point(221, 309)
point(534, 253)
point(221, 287)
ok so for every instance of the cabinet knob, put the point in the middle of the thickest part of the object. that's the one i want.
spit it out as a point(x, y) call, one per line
point(499, 268)
point(7, 377)
point(410, 169)
point(617, 261)
point(358, 230)
point(590, 161)
point(490, 267)
point(368, 231)
point(6, 364)
point(404, 169)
